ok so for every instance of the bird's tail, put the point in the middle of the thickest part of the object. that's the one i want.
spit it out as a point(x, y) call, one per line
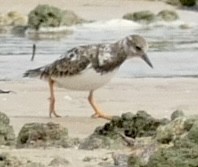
point(33, 73)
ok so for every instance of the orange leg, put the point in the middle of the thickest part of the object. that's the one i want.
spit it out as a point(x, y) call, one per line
point(52, 100)
point(98, 111)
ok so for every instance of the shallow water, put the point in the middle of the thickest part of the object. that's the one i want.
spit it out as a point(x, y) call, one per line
point(173, 50)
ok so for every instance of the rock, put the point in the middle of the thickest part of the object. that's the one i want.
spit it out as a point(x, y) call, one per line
point(167, 15)
point(168, 133)
point(190, 121)
point(141, 125)
point(176, 114)
point(17, 19)
point(173, 2)
point(70, 18)
point(183, 153)
point(7, 160)
point(13, 18)
point(4, 119)
point(7, 136)
point(134, 162)
point(4, 20)
point(50, 16)
point(118, 132)
point(44, 16)
point(89, 158)
point(141, 16)
point(59, 162)
point(193, 133)
point(96, 141)
point(120, 160)
point(188, 2)
point(42, 135)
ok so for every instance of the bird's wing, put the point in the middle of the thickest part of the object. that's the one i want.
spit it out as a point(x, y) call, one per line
point(99, 57)
point(72, 62)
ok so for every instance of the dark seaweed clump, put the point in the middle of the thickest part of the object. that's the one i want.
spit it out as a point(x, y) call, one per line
point(139, 125)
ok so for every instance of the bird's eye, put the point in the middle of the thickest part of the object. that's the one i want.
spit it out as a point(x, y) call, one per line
point(138, 48)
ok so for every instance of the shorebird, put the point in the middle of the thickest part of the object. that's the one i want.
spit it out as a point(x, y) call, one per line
point(89, 67)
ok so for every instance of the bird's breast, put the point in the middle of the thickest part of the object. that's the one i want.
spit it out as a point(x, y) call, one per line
point(86, 80)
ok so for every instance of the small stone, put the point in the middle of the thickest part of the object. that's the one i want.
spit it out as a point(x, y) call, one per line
point(59, 162)
point(176, 114)
point(168, 15)
point(120, 159)
point(141, 16)
point(88, 159)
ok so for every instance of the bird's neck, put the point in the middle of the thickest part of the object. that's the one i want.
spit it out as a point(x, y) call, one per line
point(120, 49)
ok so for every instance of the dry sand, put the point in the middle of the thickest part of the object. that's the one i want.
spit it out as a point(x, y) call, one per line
point(29, 103)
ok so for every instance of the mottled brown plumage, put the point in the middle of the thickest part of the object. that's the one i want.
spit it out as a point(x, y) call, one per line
point(90, 67)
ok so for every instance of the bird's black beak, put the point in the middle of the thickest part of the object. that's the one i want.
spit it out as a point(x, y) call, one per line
point(146, 59)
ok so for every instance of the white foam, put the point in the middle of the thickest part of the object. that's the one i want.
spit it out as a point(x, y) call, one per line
point(113, 24)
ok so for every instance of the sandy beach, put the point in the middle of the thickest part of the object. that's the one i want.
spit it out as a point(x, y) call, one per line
point(28, 103)
point(29, 100)
point(159, 97)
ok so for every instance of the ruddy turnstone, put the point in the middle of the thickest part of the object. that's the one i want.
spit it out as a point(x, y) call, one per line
point(89, 67)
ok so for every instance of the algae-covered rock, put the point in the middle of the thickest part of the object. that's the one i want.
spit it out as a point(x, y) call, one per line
point(7, 160)
point(190, 121)
point(184, 153)
point(168, 133)
point(134, 161)
point(7, 136)
point(50, 16)
point(41, 135)
point(141, 16)
point(45, 16)
point(167, 15)
point(132, 126)
point(193, 133)
point(98, 141)
point(188, 2)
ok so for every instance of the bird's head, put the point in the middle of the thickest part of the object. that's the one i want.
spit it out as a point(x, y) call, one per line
point(136, 46)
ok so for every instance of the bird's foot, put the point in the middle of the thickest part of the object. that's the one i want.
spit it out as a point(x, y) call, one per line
point(96, 115)
point(54, 113)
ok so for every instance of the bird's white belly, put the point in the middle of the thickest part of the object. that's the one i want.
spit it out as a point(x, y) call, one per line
point(87, 80)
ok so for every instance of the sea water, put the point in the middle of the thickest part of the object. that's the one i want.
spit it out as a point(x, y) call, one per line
point(173, 48)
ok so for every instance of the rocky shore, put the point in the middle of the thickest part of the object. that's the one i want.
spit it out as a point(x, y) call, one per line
point(45, 19)
point(144, 141)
